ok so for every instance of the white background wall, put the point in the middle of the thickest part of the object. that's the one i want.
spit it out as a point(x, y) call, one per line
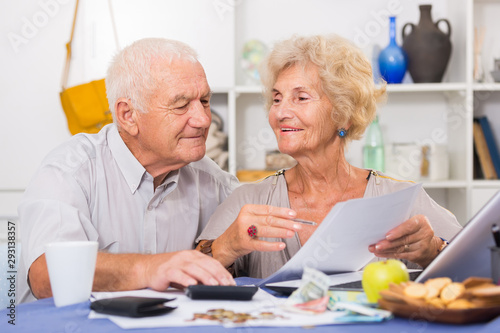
point(33, 36)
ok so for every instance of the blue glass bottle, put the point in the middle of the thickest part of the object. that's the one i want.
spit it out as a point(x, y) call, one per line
point(392, 60)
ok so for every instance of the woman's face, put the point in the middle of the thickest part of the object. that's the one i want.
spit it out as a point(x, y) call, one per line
point(301, 113)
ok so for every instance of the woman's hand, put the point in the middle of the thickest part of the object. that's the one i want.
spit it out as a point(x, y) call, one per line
point(413, 240)
point(269, 221)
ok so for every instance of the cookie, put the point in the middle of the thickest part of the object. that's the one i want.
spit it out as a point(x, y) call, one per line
point(474, 281)
point(436, 302)
point(460, 304)
point(451, 292)
point(415, 290)
point(486, 292)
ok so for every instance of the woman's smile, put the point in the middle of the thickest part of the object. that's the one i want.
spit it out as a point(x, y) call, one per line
point(287, 129)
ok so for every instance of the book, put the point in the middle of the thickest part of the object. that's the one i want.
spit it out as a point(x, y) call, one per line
point(491, 143)
point(482, 152)
point(476, 168)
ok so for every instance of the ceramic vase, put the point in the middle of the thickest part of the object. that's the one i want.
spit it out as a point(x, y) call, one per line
point(392, 60)
point(428, 48)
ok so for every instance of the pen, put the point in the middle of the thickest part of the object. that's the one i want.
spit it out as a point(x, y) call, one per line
point(496, 234)
point(304, 221)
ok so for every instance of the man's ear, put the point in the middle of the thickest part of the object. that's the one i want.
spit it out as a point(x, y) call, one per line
point(126, 116)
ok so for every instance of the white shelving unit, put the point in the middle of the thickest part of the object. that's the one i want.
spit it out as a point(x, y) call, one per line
point(413, 112)
point(485, 96)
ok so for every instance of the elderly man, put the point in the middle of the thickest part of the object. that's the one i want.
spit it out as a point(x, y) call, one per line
point(141, 187)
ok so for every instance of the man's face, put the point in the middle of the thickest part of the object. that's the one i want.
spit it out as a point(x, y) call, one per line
point(174, 128)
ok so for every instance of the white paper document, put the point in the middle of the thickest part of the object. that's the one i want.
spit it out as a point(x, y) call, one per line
point(340, 244)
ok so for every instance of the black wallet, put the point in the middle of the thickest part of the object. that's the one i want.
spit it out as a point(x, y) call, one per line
point(130, 306)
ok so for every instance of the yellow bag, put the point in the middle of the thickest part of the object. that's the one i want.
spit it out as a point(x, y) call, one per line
point(86, 105)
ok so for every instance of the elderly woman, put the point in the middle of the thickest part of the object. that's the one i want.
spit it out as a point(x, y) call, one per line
point(320, 95)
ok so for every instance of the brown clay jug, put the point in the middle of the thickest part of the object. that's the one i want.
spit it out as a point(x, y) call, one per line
point(428, 48)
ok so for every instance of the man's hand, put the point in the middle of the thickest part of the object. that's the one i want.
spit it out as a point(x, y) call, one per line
point(413, 240)
point(115, 272)
point(184, 268)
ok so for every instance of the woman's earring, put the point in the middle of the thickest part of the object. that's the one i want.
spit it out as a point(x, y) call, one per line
point(342, 132)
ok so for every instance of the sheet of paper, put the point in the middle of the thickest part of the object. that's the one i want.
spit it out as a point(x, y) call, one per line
point(186, 308)
point(340, 244)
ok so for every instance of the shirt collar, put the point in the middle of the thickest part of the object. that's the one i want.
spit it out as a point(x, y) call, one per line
point(171, 180)
point(131, 168)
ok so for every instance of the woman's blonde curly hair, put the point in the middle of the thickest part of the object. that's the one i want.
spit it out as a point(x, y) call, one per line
point(344, 71)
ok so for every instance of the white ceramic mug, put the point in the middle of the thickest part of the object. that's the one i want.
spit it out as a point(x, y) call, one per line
point(71, 268)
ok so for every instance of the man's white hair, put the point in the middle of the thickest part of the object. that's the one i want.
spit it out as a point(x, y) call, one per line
point(132, 74)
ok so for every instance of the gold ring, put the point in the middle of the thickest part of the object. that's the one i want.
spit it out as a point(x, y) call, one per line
point(407, 248)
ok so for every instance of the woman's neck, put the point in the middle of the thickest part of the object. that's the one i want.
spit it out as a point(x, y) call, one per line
point(310, 176)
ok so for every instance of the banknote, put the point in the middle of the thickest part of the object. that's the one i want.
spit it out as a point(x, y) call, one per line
point(312, 295)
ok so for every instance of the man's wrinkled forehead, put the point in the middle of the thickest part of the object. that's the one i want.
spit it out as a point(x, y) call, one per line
point(180, 81)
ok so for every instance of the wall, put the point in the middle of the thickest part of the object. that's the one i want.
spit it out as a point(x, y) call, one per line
point(34, 33)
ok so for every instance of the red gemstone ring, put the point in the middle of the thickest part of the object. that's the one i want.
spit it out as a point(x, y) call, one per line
point(252, 231)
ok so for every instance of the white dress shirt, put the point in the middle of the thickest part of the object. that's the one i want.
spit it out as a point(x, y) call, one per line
point(93, 188)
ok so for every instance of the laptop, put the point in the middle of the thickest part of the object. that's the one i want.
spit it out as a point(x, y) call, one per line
point(468, 254)
point(469, 251)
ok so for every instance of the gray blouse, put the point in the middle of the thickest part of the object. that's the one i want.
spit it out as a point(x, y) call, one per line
point(273, 191)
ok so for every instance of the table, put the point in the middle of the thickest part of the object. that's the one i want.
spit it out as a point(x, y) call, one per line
point(43, 316)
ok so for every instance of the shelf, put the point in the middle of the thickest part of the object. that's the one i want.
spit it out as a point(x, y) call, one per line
point(493, 86)
point(486, 183)
point(426, 87)
point(486, 1)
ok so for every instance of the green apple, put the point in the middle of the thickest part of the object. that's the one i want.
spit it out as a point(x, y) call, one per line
point(378, 275)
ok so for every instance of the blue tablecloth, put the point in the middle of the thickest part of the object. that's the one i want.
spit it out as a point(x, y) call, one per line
point(43, 316)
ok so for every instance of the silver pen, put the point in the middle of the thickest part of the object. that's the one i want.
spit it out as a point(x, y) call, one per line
point(304, 222)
